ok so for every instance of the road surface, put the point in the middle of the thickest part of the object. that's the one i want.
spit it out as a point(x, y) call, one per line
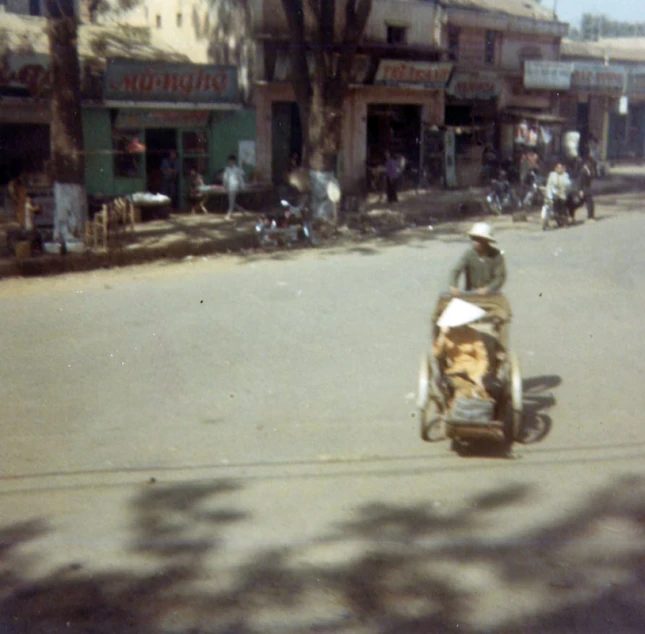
point(231, 445)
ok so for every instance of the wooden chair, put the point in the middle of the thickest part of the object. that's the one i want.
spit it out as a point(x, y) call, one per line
point(124, 213)
point(100, 226)
point(110, 223)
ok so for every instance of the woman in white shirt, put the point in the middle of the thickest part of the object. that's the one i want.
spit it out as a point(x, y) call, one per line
point(233, 181)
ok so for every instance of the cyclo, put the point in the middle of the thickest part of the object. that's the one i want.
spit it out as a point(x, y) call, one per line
point(467, 420)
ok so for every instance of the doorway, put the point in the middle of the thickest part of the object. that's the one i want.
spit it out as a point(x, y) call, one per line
point(159, 141)
point(397, 129)
point(286, 131)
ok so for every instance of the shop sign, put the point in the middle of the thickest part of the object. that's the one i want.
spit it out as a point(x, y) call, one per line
point(636, 82)
point(598, 78)
point(478, 86)
point(29, 72)
point(194, 83)
point(136, 119)
point(547, 75)
point(395, 72)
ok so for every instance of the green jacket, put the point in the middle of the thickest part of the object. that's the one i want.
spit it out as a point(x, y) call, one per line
point(488, 270)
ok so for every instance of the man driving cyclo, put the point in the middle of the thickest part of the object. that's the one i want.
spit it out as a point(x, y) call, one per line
point(467, 348)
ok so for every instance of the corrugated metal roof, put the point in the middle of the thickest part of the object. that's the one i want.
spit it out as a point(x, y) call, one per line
point(518, 8)
point(20, 33)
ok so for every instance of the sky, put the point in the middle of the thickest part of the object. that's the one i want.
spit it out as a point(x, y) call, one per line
point(571, 10)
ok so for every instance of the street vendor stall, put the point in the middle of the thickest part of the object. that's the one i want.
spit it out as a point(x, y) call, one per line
point(526, 129)
point(252, 195)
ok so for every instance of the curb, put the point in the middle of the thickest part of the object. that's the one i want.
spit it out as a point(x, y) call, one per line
point(46, 265)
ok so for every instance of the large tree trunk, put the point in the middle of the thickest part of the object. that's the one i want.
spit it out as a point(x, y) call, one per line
point(70, 211)
point(320, 89)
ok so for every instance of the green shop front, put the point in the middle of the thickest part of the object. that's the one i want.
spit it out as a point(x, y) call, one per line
point(150, 109)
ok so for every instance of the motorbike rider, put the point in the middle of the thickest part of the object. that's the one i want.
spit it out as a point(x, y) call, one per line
point(558, 188)
point(482, 264)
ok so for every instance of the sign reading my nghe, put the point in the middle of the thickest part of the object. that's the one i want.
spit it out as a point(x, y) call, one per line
point(194, 83)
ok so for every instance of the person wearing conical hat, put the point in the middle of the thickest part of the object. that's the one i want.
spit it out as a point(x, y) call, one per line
point(482, 265)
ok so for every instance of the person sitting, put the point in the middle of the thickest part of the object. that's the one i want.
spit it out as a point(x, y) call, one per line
point(466, 360)
point(558, 187)
point(196, 194)
point(18, 195)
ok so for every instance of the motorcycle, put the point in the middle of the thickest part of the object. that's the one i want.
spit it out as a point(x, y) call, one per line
point(501, 196)
point(556, 209)
point(285, 227)
point(534, 194)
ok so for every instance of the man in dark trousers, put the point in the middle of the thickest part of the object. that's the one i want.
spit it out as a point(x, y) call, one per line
point(585, 179)
point(391, 177)
point(482, 265)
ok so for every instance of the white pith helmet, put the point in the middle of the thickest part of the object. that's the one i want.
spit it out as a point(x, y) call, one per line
point(483, 231)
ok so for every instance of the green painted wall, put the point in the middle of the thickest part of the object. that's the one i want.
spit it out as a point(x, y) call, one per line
point(97, 140)
point(227, 130)
point(99, 158)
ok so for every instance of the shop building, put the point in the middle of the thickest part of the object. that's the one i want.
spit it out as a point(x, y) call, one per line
point(607, 98)
point(139, 102)
point(487, 100)
point(149, 109)
point(396, 91)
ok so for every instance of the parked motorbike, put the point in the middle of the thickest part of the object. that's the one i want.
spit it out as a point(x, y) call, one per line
point(501, 196)
point(534, 190)
point(285, 227)
point(554, 209)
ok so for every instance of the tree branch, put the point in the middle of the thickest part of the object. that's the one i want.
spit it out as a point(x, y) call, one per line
point(357, 13)
point(294, 11)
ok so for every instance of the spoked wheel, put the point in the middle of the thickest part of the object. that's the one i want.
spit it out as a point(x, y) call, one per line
point(429, 419)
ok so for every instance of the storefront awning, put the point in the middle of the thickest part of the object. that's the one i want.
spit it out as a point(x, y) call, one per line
point(532, 115)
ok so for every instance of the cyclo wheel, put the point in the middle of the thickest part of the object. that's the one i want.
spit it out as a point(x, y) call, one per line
point(428, 410)
point(517, 397)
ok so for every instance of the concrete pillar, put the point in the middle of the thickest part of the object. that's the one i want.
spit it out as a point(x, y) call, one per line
point(263, 133)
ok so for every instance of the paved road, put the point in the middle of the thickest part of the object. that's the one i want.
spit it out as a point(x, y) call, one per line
point(231, 446)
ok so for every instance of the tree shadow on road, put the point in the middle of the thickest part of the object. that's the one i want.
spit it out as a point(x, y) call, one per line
point(384, 569)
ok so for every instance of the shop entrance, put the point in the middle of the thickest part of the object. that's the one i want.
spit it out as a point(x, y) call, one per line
point(474, 127)
point(286, 134)
point(159, 142)
point(23, 148)
point(396, 128)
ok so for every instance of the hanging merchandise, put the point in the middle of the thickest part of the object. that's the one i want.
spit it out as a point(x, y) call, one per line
point(521, 132)
point(545, 136)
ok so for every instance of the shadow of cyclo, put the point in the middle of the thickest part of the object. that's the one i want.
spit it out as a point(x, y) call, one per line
point(537, 399)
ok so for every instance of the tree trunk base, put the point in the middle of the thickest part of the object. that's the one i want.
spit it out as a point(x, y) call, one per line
point(70, 211)
point(322, 208)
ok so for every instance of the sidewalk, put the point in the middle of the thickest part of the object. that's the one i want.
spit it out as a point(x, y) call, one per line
point(184, 235)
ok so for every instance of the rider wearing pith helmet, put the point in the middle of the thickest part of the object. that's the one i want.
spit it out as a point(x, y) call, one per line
point(482, 265)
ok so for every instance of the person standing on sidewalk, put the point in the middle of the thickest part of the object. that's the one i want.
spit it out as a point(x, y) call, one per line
point(170, 177)
point(585, 179)
point(391, 177)
point(196, 195)
point(233, 182)
point(482, 265)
